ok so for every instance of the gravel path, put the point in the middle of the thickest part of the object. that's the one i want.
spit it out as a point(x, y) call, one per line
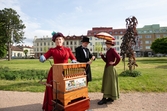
point(27, 101)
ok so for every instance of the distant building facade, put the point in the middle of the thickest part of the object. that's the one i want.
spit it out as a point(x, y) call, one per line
point(42, 45)
point(147, 35)
point(97, 43)
point(18, 51)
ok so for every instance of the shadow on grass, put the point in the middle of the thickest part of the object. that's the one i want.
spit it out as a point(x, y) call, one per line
point(146, 61)
point(162, 66)
point(30, 107)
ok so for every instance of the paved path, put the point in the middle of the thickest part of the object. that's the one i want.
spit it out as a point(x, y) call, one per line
point(27, 101)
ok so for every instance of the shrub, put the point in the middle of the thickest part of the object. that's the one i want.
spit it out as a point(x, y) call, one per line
point(133, 73)
point(7, 74)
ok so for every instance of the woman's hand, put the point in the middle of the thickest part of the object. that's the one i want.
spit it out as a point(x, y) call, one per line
point(90, 62)
point(101, 53)
point(42, 58)
point(93, 58)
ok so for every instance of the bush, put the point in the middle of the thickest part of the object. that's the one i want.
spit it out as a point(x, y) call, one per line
point(7, 74)
point(133, 73)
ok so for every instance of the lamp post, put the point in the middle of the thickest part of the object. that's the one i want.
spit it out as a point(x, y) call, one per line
point(93, 49)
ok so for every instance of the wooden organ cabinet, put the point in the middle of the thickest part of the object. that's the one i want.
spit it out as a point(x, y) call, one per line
point(70, 86)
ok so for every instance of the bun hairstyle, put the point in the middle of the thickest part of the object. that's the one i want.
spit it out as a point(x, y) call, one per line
point(55, 35)
point(111, 42)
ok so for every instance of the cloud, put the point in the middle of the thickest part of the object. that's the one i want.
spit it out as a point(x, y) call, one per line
point(77, 17)
point(79, 9)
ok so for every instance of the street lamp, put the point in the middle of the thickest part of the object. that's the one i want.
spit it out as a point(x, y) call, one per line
point(93, 49)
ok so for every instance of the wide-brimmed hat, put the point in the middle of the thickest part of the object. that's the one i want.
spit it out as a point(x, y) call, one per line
point(85, 39)
point(55, 35)
point(111, 42)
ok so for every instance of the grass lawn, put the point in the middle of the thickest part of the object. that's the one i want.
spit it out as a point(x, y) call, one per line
point(153, 75)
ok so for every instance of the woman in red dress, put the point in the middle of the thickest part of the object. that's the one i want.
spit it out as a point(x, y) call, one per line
point(60, 54)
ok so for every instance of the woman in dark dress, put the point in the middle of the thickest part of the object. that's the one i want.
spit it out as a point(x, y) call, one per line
point(110, 87)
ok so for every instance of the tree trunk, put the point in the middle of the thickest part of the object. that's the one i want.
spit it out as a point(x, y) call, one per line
point(9, 51)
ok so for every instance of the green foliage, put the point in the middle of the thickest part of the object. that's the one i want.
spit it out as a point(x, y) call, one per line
point(160, 45)
point(25, 52)
point(3, 50)
point(29, 74)
point(133, 73)
point(98, 47)
point(11, 28)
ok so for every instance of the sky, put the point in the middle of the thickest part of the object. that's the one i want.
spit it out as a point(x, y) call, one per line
point(76, 17)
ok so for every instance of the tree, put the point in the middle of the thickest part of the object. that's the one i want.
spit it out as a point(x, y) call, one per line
point(11, 29)
point(3, 50)
point(128, 42)
point(160, 45)
point(25, 52)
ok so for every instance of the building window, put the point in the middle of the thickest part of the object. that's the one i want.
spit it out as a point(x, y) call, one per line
point(147, 42)
point(75, 43)
point(117, 43)
point(110, 32)
point(37, 44)
point(48, 43)
point(163, 30)
point(41, 49)
point(41, 43)
point(148, 36)
point(157, 36)
point(156, 30)
point(44, 43)
point(165, 35)
point(96, 38)
point(147, 47)
point(117, 48)
point(71, 42)
point(140, 36)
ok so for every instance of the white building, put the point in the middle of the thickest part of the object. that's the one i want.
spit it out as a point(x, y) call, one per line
point(18, 51)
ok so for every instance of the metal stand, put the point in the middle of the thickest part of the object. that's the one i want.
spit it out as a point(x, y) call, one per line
point(56, 105)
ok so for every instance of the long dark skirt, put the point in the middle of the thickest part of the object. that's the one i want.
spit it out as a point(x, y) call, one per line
point(110, 87)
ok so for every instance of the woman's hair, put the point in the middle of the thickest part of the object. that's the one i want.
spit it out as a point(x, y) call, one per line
point(55, 35)
point(112, 43)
